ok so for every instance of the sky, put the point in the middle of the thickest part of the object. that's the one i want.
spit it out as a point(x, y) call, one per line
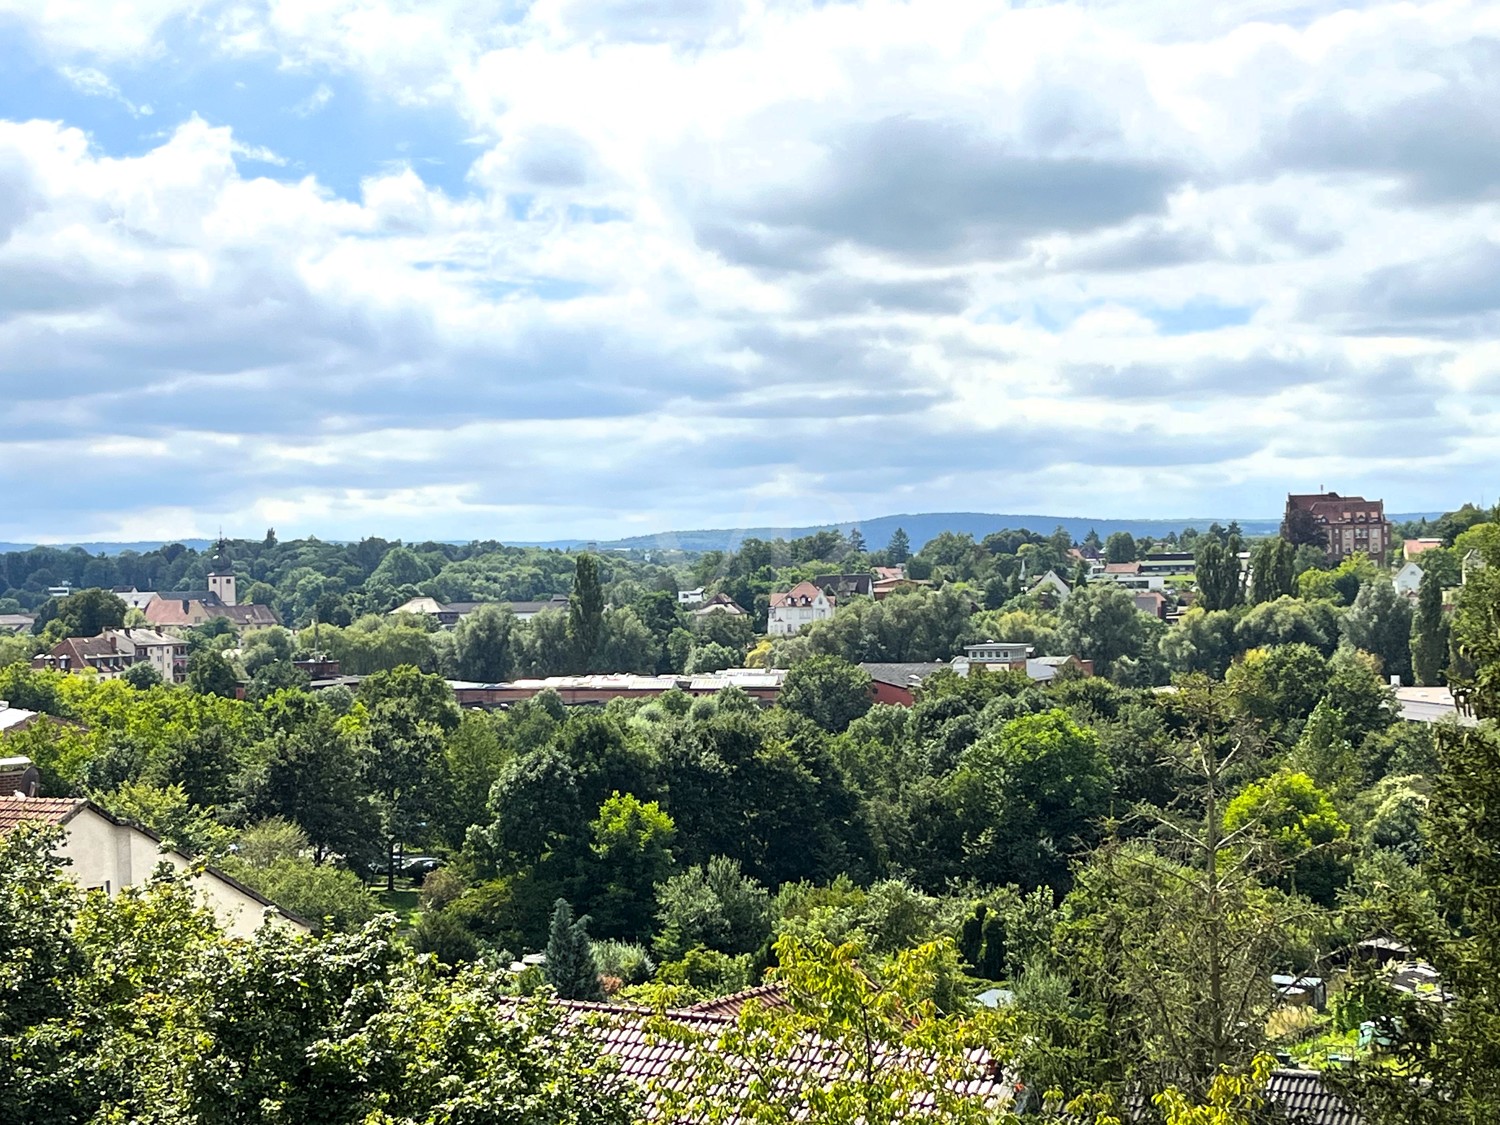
point(495, 269)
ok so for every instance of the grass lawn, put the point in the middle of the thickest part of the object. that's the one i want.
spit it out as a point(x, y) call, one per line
point(402, 902)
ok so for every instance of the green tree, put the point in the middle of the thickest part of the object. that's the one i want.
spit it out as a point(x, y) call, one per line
point(585, 611)
point(1272, 571)
point(83, 613)
point(142, 676)
point(1202, 640)
point(1027, 795)
point(571, 968)
point(1217, 570)
point(1306, 835)
point(899, 548)
point(715, 905)
point(828, 690)
point(484, 644)
point(632, 846)
point(1444, 1065)
point(208, 673)
point(307, 772)
point(625, 644)
point(1300, 528)
point(1101, 623)
point(1168, 942)
point(1120, 547)
point(403, 773)
point(1379, 622)
point(1429, 633)
point(400, 567)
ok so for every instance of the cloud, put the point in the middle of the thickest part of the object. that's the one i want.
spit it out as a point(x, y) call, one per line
point(699, 262)
point(927, 190)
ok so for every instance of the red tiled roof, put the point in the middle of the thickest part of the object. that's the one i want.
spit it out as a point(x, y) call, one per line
point(48, 810)
point(1122, 568)
point(645, 1054)
point(803, 593)
point(767, 995)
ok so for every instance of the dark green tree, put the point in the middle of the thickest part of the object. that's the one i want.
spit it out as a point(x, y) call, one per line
point(1300, 528)
point(1101, 623)
point(1120, 547)
point(585, 611)
point(828, 690)
point(84, 613)
point(1217, 570)
point(899, 549)
point(142, 676)
point(1380, 622)
point(1272, 570)
point(1429, 633)
point(484, 644)
point(405, 774)
point(571, 968)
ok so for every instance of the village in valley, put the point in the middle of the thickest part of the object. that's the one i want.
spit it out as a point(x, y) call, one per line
point(462, 691)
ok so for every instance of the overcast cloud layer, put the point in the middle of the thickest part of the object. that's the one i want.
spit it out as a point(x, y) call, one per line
point(457, 268)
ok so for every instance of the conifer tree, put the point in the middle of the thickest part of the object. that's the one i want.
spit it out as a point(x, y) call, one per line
point(1429, 632)
point(899, 549)
point(571, 968)
point(585, 611)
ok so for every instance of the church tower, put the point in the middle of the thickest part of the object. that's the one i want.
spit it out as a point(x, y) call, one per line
point(221, 572)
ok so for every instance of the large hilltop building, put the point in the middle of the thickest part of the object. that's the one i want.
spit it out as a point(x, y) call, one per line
point(1346, 524)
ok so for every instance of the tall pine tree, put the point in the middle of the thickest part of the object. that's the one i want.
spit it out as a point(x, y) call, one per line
point(585, 612)
point(899, 549)
point(571, 968)
point(1429, 632)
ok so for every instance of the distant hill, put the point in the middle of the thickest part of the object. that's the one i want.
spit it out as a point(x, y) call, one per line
point(113, 548)
point(919, 527)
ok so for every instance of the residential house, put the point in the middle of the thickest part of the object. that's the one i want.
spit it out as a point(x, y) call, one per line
point(1152, 602)
point(525, 611)
point(889, 573)
point(76, 654)
point(108, 854)
point(1051, 587)
point(882, 588)
point(1408, 579)
point(1411, 548)
point(115, 650)
point(644, 1055)
point(897, 683)
point(1045, 668)
point(690, 597)
point(719, 603)
point(798, 607)
point(1131, 576)
point(1009, 653)
point(1168, 564)
point(16, 622)
point(133, 598)
point(13, 720)
point(1349, 524)
point(186, 609)
point(846, 585)
point(421, 604)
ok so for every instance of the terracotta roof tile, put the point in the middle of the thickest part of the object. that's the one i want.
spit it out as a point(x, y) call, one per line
point(767, 995)
point(645, 1054)
point(49, 810)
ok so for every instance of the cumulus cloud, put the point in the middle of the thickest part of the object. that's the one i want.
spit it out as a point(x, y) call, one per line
point(718, 261)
